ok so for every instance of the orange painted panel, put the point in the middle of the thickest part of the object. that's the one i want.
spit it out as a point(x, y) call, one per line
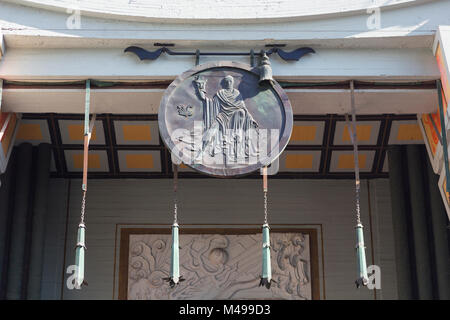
point(299, 161)
point(139, 161)
point(409, 132)
point(346, 161)
point(76, 132)
point(136, 133)
point(303, 133)
point(93, 161)
point(363, 132)
point(29, 131)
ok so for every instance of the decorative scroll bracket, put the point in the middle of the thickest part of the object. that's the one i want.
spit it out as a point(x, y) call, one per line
point(144, 54)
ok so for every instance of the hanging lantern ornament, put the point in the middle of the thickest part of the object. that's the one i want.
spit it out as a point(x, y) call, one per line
point(175, 277)
point(80, 249)
point(362, 279)
point(266, 276)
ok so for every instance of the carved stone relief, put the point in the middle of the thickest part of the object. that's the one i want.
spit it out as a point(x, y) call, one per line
point(219, 267)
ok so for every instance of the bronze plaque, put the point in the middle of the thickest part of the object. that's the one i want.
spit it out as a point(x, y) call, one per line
point(217, 119)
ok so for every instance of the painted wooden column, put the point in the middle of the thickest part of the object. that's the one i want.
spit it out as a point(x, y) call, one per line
point(5, 217)
point(38, 221)
point(440, 243)
point(417, 190)
point(19, 222)
point(405, 282)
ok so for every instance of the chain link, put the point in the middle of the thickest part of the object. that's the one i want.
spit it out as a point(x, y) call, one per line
point(83, 206)
point(265, 207)
point(352, 132)
point(358, 207)
point(175, 208)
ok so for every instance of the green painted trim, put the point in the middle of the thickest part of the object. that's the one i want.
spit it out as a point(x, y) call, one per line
point(175, 261)
point(266, 262)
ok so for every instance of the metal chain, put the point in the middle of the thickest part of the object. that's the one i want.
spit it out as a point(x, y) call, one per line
point(83, 206)
point(265, 207)
point(352, 133)
point(175, 210)
point(358, 207)
point(356, 160)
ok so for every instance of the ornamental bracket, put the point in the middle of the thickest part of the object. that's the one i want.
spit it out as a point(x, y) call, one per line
point(293, 55)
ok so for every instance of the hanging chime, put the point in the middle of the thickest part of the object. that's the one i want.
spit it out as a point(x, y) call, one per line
point(80, 249)
point(362, 279)
point(175, 277)
point(266, 276)
point(265, 71)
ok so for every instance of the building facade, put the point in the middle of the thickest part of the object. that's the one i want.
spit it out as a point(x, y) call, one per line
point(396, 54)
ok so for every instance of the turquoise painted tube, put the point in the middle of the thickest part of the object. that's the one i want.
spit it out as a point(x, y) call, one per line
point(87, 104)
point(266, 276)
point(175, 277)
point(79, 255)
point(361, 257)
point(175, 264)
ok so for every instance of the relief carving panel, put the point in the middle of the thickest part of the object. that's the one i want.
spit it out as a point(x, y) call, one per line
point(218, 266)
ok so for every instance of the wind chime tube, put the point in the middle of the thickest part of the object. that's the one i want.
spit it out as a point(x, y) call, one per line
point(361, 257)
point(175, 277)
point(266, 274)
point(79, 255)
point(80, 250)
point(175, 263)
point(360, 248)
point(266, 277)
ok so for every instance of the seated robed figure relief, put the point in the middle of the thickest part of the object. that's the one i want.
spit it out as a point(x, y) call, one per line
point(227, 122)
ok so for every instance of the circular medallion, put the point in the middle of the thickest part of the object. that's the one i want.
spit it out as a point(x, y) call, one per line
point(219, 120)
